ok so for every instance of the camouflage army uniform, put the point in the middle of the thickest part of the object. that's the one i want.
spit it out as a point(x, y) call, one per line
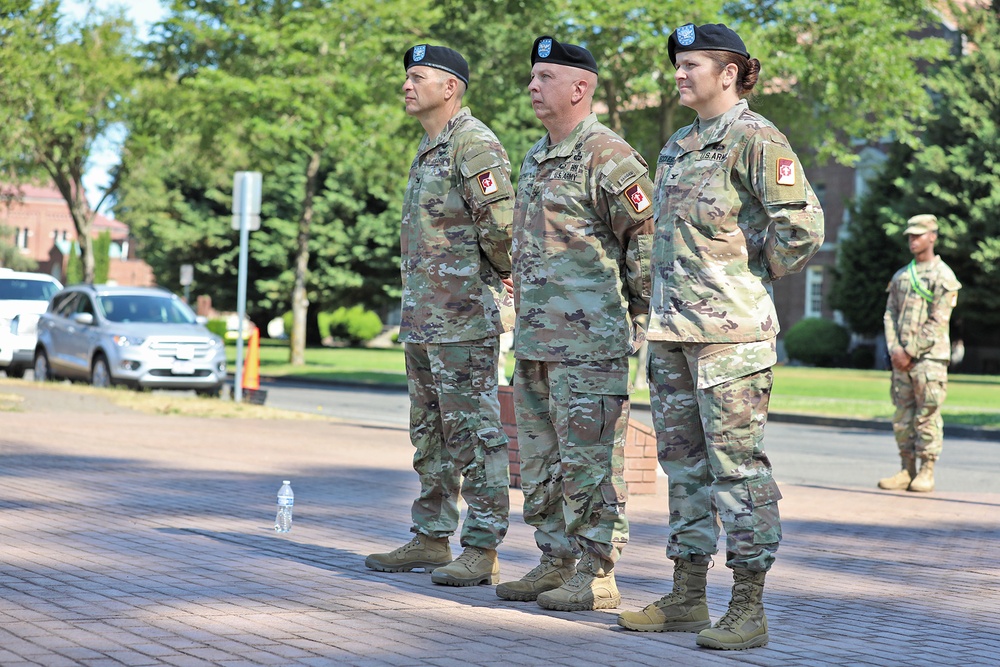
point(726, 227)
point(455, 242)
point(582, 233)
point(917, 313)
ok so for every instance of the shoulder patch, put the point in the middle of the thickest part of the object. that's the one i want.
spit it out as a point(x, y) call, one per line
point(486, 177)
point(617, 177)
point(784, 182)
point(476, 163)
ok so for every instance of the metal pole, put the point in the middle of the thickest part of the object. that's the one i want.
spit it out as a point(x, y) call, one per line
point(241, 293)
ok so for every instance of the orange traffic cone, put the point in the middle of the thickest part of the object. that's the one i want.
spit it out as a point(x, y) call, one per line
point(251, 369)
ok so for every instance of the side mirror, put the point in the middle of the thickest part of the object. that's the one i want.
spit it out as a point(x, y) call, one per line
point(83, 318)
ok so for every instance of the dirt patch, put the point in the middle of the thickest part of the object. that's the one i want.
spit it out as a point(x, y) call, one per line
point(24, 396)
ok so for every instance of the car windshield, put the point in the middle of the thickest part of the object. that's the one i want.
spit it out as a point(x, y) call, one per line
point(145, 308)
point(17, 289)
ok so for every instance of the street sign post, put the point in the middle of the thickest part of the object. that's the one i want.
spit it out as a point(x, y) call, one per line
point(187, 277)
point(246, 216)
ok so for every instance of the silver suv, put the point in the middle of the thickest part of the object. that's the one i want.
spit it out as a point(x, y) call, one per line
point(143, 337)
point(23, 297)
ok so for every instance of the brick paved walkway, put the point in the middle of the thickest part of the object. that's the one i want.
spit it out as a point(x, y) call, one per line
point(142, 540)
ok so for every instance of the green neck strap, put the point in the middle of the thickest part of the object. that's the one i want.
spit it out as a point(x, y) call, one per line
point(917, 284)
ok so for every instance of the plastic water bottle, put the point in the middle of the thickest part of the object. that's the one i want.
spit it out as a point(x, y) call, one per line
point(286, 501)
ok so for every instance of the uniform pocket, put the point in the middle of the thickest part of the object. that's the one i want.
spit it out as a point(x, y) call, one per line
point(496, 462)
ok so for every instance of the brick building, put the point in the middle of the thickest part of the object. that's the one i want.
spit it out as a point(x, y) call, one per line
point(42, 229)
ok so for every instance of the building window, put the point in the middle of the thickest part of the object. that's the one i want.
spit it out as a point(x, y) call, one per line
point(22, 238)
point(814, 291)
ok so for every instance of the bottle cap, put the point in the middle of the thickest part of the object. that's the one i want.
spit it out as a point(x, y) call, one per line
point(285, 481)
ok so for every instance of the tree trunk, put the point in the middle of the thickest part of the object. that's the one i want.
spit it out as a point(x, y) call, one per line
point(73, 193)
point(668, 107)
point(300, 302)
point(614, 112)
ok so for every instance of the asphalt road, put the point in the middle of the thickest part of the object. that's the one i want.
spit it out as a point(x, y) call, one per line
point(800, 453)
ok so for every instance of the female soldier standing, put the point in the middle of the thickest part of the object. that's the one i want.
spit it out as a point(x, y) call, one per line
point(733, 213)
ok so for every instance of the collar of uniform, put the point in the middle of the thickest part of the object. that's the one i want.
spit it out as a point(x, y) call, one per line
point(445, 134)
point(565, 147)
point(716, 130)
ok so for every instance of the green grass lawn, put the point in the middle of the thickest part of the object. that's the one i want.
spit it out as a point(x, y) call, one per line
point(973, 400)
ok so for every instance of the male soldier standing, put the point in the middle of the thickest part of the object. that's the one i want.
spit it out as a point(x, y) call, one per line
point(921, 297)
point(455, 241)
point(582, 233)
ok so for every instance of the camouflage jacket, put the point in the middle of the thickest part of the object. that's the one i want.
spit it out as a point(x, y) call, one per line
point(733, 213)
point(455, 236)
point(582, 234)
point(918, 310)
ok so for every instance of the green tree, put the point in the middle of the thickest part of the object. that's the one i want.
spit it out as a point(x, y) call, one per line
point(65, 86)
point(955, 175)
point(74, 265)
point(822, 63)
point(102, 257)
point(304, 87)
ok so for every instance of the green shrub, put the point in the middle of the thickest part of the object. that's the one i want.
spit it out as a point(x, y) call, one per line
point(817, 342)
point(354, 325)
point(217, 326)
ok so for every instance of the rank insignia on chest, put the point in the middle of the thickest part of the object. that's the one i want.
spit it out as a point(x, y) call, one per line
point(638, 199)
point(786, 171)
point(487, 182)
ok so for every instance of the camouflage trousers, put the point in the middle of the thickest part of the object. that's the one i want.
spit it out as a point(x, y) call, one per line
point(571, 422)
point(918, 395)
point(455, 428)
point(709, 406)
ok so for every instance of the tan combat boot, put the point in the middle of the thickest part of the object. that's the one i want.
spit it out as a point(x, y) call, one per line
point(422, 551)
point(474, 567)
point(901, 480)
point(924, 481)
point(592, 587)
point(548, 575)
point(682, 610)
point(744, 624)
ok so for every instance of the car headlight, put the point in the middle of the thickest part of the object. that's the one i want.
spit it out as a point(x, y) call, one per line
point(128, 341)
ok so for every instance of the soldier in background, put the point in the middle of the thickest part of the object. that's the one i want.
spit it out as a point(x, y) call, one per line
point(455, 241)
point(734, 213)
point(921, 297)
point(582, 231)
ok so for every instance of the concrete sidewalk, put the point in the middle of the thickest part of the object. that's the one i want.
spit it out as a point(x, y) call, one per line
point(131, 539)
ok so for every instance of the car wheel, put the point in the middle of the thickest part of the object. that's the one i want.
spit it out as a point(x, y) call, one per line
point(100, 375)
point(41, 369)
point(15, 371)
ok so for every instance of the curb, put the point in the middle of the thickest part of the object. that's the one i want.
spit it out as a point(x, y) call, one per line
point(950, 430)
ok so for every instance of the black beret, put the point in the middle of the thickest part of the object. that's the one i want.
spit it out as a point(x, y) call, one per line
point(547, 50)
point(708, 37)
point(439, 57)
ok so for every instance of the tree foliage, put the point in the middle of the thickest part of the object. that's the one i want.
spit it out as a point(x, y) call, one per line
point(65, 84)
point(955, 175)
point(303, 90)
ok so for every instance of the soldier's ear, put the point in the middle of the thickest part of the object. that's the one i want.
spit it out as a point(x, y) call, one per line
point(452, 87)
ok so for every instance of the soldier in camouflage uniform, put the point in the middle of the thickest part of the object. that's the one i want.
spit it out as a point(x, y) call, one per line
point(455, 241)
point(582, 234)
point(734, 213)
point(921, 297)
